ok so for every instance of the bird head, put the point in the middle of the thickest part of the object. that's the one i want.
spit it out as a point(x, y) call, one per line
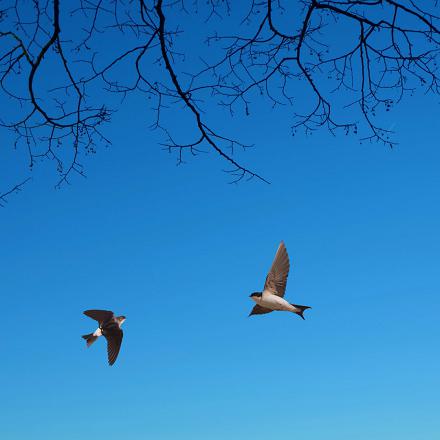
point(121, 319)
point(255, 295)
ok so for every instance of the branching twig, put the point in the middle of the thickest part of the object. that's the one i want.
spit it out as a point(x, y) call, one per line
point(285, 52)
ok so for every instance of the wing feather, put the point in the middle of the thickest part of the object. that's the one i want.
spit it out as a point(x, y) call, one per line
point(99, 315)
point(276, 279)
point(258, 310)
point(114, 340)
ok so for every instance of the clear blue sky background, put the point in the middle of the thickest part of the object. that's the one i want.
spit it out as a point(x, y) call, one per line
point(178, 251)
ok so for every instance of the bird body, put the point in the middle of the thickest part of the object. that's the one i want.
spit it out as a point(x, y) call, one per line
point(272, 296)
point(274, 302)
point(110, 328)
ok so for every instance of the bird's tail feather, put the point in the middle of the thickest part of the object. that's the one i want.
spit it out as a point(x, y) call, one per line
point(90, 338)
point(301, 309)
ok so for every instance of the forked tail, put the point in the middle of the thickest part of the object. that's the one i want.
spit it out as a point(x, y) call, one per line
point(301, 309)
point(90, 338)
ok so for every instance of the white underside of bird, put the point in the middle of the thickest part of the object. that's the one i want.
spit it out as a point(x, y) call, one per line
point(274, 302)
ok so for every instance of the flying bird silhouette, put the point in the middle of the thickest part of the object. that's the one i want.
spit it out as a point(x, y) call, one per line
point(110, 328)
point(272, 297)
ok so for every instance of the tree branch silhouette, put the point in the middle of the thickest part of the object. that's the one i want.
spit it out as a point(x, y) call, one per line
point(65, 67)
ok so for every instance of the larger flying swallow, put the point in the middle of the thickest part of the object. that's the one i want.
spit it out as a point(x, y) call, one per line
point(272, 296)
point(110, 328)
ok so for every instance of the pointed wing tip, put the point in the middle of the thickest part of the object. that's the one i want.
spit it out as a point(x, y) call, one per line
point(99, 315)
point(87, 313)
point(114, 341)
point(282, 246)
point(113, 358)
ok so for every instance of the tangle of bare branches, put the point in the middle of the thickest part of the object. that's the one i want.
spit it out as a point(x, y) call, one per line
point(66, 66)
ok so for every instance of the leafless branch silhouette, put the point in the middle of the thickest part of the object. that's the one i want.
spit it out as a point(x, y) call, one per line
point(335, 64)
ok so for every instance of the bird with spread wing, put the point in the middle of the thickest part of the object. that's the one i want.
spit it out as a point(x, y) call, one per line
point(110, 328)
point(272, 296)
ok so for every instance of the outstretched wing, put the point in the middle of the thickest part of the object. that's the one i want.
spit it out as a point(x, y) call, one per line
point(258, 310)
point(276, 279)
point(99, 315)
point(114, 340)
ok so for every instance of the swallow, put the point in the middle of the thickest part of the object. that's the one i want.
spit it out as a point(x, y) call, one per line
point(272, 296)
point(110, 328)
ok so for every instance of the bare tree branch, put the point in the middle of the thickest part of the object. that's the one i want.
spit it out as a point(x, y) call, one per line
point(336, 65)
point(15, 189)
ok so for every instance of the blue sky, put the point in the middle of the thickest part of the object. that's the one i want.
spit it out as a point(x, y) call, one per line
point(178, 251)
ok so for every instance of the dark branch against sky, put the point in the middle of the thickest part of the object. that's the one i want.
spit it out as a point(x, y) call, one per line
point(65, 67)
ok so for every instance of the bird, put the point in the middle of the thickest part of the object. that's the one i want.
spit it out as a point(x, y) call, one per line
point(272, 296)
point(110, 328)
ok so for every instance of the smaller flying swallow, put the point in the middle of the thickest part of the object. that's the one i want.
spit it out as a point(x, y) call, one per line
point(272, 297)
point(110, 328)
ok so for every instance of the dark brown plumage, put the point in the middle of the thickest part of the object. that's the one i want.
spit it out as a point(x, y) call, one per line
point(258, 310)
point(110, 326)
